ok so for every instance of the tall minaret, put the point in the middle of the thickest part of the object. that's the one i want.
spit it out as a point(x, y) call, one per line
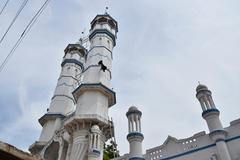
point(211, 115)
point(135, 137)
point(62, 103)
point(94, 96)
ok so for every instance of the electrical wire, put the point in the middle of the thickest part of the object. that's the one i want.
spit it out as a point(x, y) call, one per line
point(14, 19)
point(24, 33)
point(4, 6)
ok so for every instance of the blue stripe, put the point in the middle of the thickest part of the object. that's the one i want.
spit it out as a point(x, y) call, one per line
point(133, 134)
point(136, 158)
point(233, 138)
point(198, 149)
point(134, 112)
point(72, 61)
point(210, 111)
point(220, 140)
point(189, 152)
point(96, 151)
point(103, 31)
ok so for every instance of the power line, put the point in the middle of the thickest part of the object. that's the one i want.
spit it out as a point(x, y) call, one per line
point(14, 19)
point(4, 6)
point(24, 33)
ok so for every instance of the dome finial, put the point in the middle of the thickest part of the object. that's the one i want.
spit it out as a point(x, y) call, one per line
point(106, 9)
point(201, 87)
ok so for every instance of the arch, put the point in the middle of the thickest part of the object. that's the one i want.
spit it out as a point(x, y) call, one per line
point(102, 20)
point(51, 152)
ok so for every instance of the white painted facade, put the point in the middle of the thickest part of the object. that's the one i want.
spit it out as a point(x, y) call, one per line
point(219, 144)
point(76, 125)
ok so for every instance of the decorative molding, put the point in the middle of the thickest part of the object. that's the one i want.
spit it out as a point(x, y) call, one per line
point(63, 96)
point(136, 158)
point(100, 47)
point(50, 116)
point(103, 31)
point(98, 54)
point(218, 131)
point(73, 61)
point(104, 15)
point(210, 111)
point(78, 47)
point(134, 112)
point(135, 135)
point(65, 84)
point(61, 76)
point(96, 87)
point(98, 66)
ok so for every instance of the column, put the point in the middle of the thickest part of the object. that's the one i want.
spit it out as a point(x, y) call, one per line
point(223, 150)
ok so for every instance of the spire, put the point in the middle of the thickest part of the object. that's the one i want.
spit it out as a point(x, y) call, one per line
point(106, 9)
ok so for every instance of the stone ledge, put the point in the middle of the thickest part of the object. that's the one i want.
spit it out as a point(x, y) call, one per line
point(8, 152)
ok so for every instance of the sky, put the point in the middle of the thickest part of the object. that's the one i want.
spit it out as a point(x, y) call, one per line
point(164, 47)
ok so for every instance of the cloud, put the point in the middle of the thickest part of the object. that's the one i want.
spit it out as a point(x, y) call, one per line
point(163, 49)
point(20, 127)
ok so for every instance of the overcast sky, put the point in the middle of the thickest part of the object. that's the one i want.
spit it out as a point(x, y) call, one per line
point(164, 48)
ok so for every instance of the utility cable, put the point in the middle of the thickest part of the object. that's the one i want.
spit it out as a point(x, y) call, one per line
point(24, 33)
point(4, 6)
point(14, 19)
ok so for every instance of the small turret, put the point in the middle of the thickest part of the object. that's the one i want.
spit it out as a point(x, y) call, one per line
point(205, 98)
point(211, 115)
point(135, 137)
point(95, 143)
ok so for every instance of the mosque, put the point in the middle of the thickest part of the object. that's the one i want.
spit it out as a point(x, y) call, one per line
point(77, 125)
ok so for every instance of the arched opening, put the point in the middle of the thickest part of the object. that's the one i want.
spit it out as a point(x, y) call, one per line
point(51, 153)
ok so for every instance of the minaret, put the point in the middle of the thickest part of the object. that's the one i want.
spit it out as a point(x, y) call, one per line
point(62, 103)
point(211, 115)
point(135, 137)
point(94, 96)
point(72, 67)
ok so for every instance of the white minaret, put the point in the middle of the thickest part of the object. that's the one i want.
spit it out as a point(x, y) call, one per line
point(135, 137)
point(211, 115)
point(72, 67)
point(94, 95)
point(62, 103)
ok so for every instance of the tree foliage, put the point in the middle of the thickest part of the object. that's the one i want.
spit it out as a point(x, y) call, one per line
point(110, 151)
